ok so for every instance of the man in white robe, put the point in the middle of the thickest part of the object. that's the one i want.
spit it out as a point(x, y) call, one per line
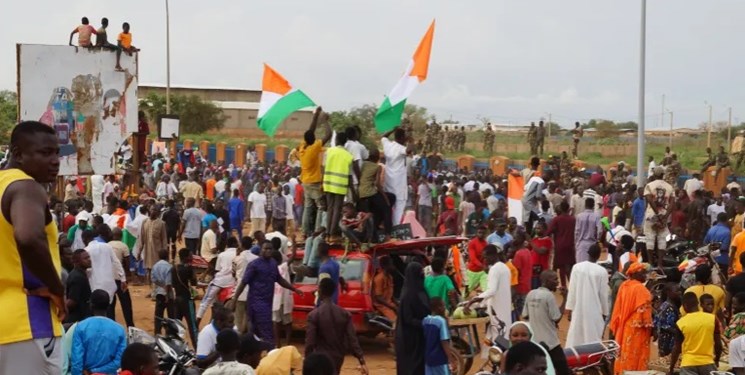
point(587, 301)
point(97, 184)
point(396, 179)
point(498, 295)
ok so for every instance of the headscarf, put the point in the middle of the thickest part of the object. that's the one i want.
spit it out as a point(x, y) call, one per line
point(637, 267)
point(550, 370)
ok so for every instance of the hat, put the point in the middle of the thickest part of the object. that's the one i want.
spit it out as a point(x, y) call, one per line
point(450, 203)
point(658, 171)
point(637, 267)
point(83, 216)
point(251, 345)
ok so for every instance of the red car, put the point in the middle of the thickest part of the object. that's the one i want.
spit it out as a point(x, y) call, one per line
point(358, 271)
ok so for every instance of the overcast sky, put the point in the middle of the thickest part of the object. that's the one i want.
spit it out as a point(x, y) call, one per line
point(511, 61)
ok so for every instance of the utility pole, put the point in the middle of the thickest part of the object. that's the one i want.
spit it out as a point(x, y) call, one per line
point(168, 61)
point(729, 131)
point(640, 176)
point(670, 141)
point(708, 134)
point(662, 116)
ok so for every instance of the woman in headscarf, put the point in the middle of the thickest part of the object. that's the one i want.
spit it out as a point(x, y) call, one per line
point(412, 309)
point(631, 321)
point(520, 332)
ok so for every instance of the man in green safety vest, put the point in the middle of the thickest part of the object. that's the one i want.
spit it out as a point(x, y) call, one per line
point(336, 182)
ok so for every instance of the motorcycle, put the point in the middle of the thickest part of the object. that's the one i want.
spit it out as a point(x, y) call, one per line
point(496, 350)
point(703, 255)
point(174, 355)
point(592, 358)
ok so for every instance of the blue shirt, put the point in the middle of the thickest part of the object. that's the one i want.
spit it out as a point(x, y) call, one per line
point(235, 210)
point(637, 211)
point(501, 241)
point(97, 346)
point(331, 268)
point(435, 332)
point(161, 276)
point(719, 233)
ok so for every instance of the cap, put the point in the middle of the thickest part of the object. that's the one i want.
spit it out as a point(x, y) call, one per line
point(251, 345)
point(658, 171)
point(83, 216)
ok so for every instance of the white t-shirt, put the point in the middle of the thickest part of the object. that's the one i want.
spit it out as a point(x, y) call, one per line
point(713, 210)
point(289, 204)
point(258, 201)
point(220, 186)
point(224, 268)
point(692, 185)
point(209, 242)
point(229, 368)
point(240, 263)
point(207, 341)
point(358, 150)
point(737, 352)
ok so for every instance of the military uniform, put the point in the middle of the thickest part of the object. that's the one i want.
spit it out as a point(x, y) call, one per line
point(489, 140)
point(462, 139)
point(565, 166)
point(429, 139)
point(738, 149)
point(532, 141)
point(722, 160)
point(540, 136)
point(672, 172)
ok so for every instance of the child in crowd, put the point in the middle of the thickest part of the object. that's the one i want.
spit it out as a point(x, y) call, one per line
point(139, 359)
point(542, 250)
point(665, 318)
point(228, 344)
point(436, 338)
point(439, 284)
point(447, 224)
point(523, 261)
point(356, 226)
point(736, 327)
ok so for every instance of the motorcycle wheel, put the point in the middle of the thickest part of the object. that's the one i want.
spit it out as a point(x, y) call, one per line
point(456, 362)
point(462, 347)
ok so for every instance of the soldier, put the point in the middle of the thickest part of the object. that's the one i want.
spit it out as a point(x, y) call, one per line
point(447, 140)
point(672, 170)
point(540, 137)
point(722, 160)
point(577, 134)
point(738, 151)
point(710, 160)
point(429, 138)
point(532, 139)
point(489, 139)
point(439, 139)
point(462, 139)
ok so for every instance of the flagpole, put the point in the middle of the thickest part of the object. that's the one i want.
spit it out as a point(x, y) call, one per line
point(640, 175)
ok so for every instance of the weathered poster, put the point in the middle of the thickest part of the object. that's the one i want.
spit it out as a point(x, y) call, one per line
point(92, 107)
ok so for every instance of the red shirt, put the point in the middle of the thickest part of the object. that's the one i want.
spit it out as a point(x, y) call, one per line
point(523, 261)
point(475, 249)
point(67, 222)
point(299, 195)
point(538, 259)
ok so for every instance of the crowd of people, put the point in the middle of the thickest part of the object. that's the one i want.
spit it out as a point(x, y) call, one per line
point(586, 238)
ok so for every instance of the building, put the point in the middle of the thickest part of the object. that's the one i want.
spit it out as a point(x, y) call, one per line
point(240, 106)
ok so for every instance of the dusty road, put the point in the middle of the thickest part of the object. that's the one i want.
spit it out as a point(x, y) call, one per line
point(379, 360)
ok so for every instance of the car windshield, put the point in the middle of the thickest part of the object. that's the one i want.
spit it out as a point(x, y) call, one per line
point(351, 270)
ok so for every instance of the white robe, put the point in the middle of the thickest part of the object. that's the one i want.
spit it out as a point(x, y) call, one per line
point(396, 180)
point(498, 296)
point(588, 301)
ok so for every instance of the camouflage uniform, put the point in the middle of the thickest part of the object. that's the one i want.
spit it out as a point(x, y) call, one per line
point(438, 138)
point(489, 139)
point(722, 160)
point(710, 161)
point(540, 137)
point(429, 139)
point(532, 132)
point(672, 172)
point(565, 166)
point(462, 139)
point(738, 149)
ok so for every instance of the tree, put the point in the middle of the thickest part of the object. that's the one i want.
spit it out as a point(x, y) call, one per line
point(196, 115)
point(364, 117)
point(8, 114)
point(606, 129)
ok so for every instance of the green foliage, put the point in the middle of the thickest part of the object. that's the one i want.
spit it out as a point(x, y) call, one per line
point(364, 117)
point(196, 115)
point(8, 114)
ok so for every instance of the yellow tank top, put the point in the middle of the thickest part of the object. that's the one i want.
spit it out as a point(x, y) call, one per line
point(24, 317)
point(698, 343)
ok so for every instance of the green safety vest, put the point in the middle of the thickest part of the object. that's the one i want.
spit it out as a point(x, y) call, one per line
point(336, 172)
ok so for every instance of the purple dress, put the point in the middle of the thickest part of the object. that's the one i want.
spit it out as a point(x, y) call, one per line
point(260, 277)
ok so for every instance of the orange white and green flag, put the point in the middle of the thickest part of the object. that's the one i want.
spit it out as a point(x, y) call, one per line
point(390, 112)
point(278, 100)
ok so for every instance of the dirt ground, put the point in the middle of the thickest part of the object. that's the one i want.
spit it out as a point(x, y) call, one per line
point(379, 359)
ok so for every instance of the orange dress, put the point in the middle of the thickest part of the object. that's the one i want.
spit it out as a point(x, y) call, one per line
point(631, 323)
